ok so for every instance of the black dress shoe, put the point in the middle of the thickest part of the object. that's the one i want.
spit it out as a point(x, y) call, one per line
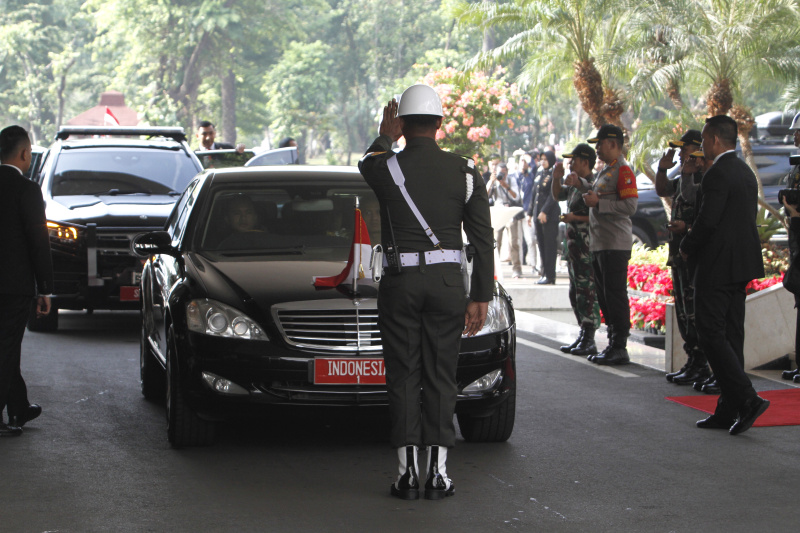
point(754, 408)
point(407, 485)
point(796, 379)
point(715, 422)
point(10, 431)
point(790, 374)
point(33, 411)
point(545, 281)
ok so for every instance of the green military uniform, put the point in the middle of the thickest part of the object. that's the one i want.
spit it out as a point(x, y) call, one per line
point(421, 310)
point(582, 293)
point(684, 208)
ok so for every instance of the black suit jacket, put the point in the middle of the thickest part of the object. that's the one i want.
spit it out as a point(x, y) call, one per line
point(25, 264)
point(723, 243)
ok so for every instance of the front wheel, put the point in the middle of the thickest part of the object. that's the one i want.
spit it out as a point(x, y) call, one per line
point(184, 427)
point(496, 427)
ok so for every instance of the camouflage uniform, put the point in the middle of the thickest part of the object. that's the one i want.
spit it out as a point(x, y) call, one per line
point(582, 293)
point(685, 210)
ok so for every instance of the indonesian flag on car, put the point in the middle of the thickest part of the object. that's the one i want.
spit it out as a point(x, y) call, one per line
point(109, 119)
point(358, 263)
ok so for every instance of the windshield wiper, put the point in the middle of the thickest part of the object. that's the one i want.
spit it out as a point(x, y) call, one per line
point(118, 192)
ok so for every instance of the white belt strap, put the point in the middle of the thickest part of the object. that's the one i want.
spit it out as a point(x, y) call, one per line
point(432, 257)
point(400, 181)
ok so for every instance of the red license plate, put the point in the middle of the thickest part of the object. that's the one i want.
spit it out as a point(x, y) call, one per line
point(349, 371)
point(129, 294)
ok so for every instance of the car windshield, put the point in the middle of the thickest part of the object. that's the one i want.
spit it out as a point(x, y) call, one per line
point(297, 222)
point(120, 170)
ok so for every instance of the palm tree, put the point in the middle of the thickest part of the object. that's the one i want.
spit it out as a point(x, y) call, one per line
point(727, 46)
point(551, 38)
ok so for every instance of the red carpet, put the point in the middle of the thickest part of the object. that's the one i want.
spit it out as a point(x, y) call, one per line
point(784, 406)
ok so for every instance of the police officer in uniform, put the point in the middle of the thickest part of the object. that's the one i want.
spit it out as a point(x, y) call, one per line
point(612, 199)
point(579, 259)
point(683, 190)
point(793, 182)
point(544, 212)
point(422, 305)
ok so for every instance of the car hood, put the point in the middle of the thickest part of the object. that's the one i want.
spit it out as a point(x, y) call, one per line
point(107, 211)
point(269, 282)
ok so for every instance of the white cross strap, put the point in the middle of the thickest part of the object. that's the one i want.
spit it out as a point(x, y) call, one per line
point(400, 181)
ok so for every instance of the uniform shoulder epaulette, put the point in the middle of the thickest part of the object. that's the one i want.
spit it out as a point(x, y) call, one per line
point(372, 154)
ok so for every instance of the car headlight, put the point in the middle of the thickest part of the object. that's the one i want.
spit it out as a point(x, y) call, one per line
point(210, 317)
point(62, 233)
point(498, 317)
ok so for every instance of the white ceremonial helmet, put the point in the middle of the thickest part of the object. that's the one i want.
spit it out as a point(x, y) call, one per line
point(420, 99)
point(795, 123)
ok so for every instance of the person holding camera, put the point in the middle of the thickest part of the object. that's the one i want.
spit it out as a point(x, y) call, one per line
point(505, 192)
point(582, 290)
point(683, 190)
point(724, 249)
point(426, 196)
point(791, 208)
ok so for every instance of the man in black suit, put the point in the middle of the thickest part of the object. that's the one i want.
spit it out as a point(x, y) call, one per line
point(27, 270)
point(723, 245)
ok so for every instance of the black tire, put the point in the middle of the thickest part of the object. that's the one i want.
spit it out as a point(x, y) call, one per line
point(150, 372)
point(184, 427)
point(45, 323)
point(496, 427)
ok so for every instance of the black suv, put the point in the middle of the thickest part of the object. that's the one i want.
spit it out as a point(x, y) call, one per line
point(772, 161)
point(102, 187)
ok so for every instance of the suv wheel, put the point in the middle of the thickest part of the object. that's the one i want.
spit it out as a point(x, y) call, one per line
point(496, 427)
point(44, 323)
point(184, 427)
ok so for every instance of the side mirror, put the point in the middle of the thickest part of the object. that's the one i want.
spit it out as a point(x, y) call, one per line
point(156, 242)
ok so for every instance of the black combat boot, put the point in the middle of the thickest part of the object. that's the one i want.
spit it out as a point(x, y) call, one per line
point(586, 346)
point(683, 369)
point(438, 486)
point(697, 371)
point(609, 334)
point(618, 352)
point(407, 485)
point(567, 348)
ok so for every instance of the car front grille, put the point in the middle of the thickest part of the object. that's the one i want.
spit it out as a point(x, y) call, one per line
point(330, 325)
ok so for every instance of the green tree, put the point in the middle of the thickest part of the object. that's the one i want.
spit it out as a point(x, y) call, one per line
point(301, 91)
point(553, 38)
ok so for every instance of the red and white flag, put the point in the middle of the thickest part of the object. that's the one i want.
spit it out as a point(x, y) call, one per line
point(109, 119)
point(358, 263)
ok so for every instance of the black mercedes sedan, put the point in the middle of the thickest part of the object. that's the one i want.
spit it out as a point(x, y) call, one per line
point(232, 320)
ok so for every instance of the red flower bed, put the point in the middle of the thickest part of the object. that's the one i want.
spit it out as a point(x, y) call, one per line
point(649, 314)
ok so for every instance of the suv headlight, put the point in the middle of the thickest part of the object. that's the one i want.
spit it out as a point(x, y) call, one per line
point(62, 233)
point(498, 318)
point(210, 317)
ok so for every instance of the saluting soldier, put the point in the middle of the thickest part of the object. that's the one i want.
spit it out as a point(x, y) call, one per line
point(579, 259)
point(683, 190)
point(612, 200)
point(426, 195)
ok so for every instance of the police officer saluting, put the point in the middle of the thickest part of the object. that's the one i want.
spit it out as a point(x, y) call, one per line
point(426, 195)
